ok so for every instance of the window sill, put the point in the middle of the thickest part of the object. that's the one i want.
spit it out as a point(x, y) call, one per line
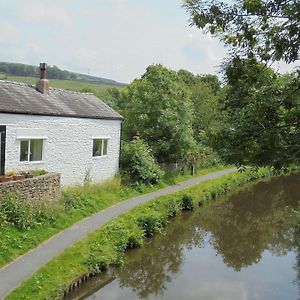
point(30, 162)
point(100, 157)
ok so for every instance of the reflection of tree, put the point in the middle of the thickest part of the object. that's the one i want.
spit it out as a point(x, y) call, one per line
point(252, 221)
point(241, 227)
point(297, 245)
point(148, 269)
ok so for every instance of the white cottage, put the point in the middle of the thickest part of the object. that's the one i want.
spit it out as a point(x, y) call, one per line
point(72, 133)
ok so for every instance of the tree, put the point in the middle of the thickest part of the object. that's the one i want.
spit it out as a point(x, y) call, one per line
point(263, 114)
point(268, 30)
point(263, 107)
point(159, 110)
point(207, 109)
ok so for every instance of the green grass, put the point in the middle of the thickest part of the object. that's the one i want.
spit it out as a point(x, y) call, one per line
point(23, 228)
point(106, 246)
point(72, 85)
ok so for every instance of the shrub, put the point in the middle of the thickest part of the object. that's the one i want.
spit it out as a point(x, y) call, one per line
point(187, 202)
point(151, 222)
point(17, 213)
point(174, 207)
point(138, 164)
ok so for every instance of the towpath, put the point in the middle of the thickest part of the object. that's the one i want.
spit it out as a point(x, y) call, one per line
point(14, 273)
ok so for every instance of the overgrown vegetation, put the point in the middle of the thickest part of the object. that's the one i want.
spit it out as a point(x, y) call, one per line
point(107, 246)
point(24, 225)
point(138, 164)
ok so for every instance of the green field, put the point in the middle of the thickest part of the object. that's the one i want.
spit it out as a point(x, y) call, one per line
point(71, 85)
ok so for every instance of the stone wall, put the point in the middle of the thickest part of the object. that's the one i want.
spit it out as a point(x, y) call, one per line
point(40, 188)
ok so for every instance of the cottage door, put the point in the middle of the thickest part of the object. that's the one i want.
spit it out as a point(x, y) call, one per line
point(2, 149)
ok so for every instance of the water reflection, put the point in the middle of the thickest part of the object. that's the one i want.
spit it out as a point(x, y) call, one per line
point(252, 221)
point(241, 229)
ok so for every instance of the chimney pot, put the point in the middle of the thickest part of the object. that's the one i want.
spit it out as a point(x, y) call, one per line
point(43, 84)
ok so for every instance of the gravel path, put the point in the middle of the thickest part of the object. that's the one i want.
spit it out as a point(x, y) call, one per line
point(14, 273)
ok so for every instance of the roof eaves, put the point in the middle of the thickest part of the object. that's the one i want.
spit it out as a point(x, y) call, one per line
point(63, 115)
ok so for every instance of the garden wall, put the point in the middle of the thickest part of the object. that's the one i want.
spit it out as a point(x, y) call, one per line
point(40, 188)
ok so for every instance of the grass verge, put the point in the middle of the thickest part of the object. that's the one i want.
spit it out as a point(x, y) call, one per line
point(23, 227)
point(106, 246)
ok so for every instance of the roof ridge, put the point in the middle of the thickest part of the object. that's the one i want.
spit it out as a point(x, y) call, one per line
point(50, 88)
point(69, 91)
point(17, 83)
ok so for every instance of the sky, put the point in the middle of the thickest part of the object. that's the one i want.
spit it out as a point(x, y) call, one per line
point(115, 39)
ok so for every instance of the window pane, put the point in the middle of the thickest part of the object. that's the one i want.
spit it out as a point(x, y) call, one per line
point(24, 151)
point(97, 145)
point(36, 150)
point(105, 147)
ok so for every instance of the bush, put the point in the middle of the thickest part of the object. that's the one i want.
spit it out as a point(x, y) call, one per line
point(138, 164)
point(187, 202)
point(17, 213)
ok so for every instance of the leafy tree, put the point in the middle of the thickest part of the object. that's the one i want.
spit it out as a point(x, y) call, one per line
point(264, 116)
point(208, 115)
point(263, 107)
point(138, 164)
point(159, 110)
point(269, 30)
point(211, 80)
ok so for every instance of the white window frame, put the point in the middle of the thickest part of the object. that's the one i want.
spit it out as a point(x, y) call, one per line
point(29, 139)
point(107, 138)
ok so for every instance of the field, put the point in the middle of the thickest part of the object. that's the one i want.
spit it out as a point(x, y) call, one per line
point(71, 85)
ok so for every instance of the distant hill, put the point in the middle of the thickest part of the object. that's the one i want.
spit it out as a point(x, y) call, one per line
point(53, 72)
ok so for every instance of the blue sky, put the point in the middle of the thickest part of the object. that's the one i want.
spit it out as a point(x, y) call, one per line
point(115, 39)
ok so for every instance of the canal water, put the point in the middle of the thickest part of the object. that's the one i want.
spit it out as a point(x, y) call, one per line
point(239, 247)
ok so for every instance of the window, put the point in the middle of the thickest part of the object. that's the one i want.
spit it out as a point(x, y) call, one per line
point(100, 147)
point(31, 150)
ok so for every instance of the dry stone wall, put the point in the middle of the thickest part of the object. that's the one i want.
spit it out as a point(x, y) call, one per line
point(40, 188)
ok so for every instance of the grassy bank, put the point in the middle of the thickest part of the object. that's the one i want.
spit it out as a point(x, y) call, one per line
point(107, 245)
point(23, 227)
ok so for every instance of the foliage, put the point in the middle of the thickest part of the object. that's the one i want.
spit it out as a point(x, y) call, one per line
point(208, 115)
point(159, 110)
point(18, 213)
point(106, 246)
point(268, 30)
point(39, 172)
point(262, 108)
point(263, 115)
point(138, 164)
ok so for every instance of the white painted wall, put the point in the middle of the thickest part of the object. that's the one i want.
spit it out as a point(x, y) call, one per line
point(67, 147)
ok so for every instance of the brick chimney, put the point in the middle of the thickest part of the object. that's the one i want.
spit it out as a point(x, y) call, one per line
point(43, 84)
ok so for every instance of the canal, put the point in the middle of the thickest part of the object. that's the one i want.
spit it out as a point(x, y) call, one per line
point(240, 246)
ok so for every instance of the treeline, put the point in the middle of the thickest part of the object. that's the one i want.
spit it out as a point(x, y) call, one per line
point(178, 117)
point(53, 72)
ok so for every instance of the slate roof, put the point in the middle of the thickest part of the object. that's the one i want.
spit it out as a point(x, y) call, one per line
point(22, 98)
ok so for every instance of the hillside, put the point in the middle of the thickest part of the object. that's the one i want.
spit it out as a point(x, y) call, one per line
point(16, 70)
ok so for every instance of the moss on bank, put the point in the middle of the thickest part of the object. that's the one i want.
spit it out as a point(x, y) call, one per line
point(106, 246)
